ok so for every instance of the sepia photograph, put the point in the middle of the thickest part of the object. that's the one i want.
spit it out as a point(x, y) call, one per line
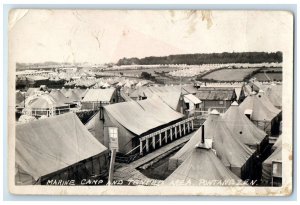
point(150, 102)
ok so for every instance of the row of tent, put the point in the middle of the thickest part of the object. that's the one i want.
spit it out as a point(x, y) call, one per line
point(108, 82)
point(235, 139)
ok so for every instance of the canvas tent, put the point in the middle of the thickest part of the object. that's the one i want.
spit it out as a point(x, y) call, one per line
point(229, 148)
point(44, 104)
point(200, 167)
point(278, 143)
point(242, 127)
point(263, 115)
point(136, 118)
point(58, 147)
point(274, 93)
point(276, 156)
point(59, 97)
point(19, 97)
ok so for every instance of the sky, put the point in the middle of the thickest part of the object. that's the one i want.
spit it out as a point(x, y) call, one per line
point(96, 36)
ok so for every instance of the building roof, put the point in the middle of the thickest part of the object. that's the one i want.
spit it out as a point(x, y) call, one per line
point(142, 116)
point(239, 124)
point(47, 145)
point(216, 94)
point(191, 98)
point(201, 164)
point(99, 95)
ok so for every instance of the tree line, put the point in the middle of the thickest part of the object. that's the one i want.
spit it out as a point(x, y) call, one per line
point(206, 58)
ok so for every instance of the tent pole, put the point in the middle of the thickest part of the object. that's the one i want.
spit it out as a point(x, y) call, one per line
point(111, 166)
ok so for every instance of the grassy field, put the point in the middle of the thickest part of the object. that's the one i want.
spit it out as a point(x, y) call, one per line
point(268, 76)
point(229, 74)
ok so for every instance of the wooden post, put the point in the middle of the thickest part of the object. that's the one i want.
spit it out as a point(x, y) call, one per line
point(175, 132)
point(153, 141)
point(111, 166)
point(192, 125)
point(141, 147)
point(183, 128)
point(166, 136)
point(160, 143)
point(147, 145)
point(179, 129)
point(171, 134)
point(188, 126)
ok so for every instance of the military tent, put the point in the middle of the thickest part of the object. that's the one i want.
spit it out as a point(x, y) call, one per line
point(276, 156)
point(201, 168)
point(229, 148)
point(278, 143)
point(274, 93)
point(58, 147)
point(19, 97)
point(261, 114)
point(242, 127)
point(137, 118)
point(59, 97)
point(44, 104)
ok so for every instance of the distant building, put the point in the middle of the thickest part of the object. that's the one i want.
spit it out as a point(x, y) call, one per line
point(216, 98)
point(96, 98)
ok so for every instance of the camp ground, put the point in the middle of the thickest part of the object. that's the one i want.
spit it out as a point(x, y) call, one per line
point(59, 147)
point(158, 131)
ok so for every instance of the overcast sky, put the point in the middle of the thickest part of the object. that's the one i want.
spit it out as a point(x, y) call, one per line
point(106, 36)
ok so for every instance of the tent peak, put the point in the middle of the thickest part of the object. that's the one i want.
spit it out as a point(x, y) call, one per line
point(214, 112)
point(234, 103)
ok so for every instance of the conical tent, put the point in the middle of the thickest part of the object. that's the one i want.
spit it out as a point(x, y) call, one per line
point(242, 127)
point(73, 97)
point(278, 142)
point(265, 100)
point(186, 150)
point(260, 112)
point(274, 93)
point(201, 166)
point(267, 164)
point(229, 148)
